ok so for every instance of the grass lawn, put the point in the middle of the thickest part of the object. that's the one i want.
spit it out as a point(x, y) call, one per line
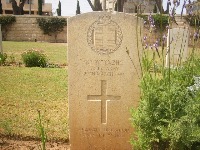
point(56, 52)
point(24, 91)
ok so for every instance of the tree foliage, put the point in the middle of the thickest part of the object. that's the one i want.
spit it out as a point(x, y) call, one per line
point(59, 9)
point(78, 10)
point(39, 7)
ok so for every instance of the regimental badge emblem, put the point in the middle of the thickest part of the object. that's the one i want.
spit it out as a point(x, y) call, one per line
point(104, 36)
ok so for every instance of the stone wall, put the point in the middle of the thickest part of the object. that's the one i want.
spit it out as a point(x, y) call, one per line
point(26, 28)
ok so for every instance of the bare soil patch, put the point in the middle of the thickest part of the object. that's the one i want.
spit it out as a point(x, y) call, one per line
point(12, 144)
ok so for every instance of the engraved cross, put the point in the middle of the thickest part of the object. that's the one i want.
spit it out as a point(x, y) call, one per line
point(104, 99)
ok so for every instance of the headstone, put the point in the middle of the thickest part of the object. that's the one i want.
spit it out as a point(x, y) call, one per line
point(104, 72)
point(177, 46)
point(1, 48)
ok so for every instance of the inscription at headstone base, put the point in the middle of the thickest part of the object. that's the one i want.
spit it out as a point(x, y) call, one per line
point(177, 46)
point(103, 80)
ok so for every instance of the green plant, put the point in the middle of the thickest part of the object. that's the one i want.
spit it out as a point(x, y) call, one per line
point(168, 116)
point(161, 20)
point(52, 26)
point(5, 22)
point(42, 132)
point(34, 58)
point(3, 58)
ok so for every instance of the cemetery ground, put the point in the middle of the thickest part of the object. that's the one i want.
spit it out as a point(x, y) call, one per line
point(25, 91)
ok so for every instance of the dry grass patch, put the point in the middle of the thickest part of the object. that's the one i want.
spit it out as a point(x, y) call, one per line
point(24, 91)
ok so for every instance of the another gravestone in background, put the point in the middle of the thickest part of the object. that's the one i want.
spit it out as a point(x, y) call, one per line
point(104, 71)
point(177, 46)
point(1, 48)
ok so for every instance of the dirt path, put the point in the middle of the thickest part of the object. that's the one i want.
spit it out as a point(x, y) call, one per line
point(7, 144)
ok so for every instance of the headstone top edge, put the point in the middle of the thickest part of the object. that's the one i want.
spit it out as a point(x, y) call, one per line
point(103, 13)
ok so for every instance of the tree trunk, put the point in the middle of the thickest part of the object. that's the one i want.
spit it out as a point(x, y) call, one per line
point(120, 5)
point(104, 5)
point(1, 11)
point(18, 10)
point(91, 5)
point(159, 4)
point(21, 6)
point(78, 9)
point(97, 5)
point(167, 10)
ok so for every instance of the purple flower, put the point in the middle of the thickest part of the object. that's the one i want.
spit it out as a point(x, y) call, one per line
point(156, 47)
point(196, 36)
point(190, 12)
point(146, 46)
point(156, 41)
point(145, 37)
point(164, 37)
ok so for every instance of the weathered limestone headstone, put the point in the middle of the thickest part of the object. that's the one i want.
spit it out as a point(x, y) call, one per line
point(177, 46)
point(1, 49)
point(104, 73)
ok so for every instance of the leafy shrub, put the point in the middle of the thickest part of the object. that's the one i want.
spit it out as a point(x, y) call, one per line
point(52, 26)
point(34, 58)
point(168, 116)
point(3, 58)
point(159, 20)
point(5, 22)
